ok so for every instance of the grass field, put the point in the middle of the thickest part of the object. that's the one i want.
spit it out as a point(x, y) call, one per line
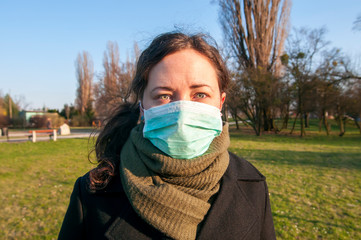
point(36, 181)
point(314, 183)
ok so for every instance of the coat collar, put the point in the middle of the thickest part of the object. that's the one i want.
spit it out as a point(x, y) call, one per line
point(231, 215)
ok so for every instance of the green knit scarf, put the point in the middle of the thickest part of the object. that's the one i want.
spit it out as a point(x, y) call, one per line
point(171, 194)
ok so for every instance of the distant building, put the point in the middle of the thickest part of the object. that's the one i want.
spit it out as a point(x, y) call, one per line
point(26, 115)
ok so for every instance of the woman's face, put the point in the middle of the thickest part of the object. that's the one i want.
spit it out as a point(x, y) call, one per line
point(183, 75)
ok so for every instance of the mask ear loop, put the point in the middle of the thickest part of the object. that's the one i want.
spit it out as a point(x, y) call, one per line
point(141, 111)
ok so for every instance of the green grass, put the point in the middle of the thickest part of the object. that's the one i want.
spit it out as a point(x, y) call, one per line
point(314, 183)
point(36, 181)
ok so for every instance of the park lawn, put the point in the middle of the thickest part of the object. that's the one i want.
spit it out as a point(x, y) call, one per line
point(36, 180)
point(314, 183)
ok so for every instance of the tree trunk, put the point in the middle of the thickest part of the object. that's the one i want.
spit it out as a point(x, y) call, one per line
point(272, 123)
point(320, 124)
point(341, 125)
point(357, 124)
point(266, 125)
point(340, 120)
point(258, 126)
point(294, 124)
point(268, 120)
point(236, 119)
point(286, 118)
point(307, 120)
point(275, 127)
point(325, 123)
point(285, 122)
point(303, 132)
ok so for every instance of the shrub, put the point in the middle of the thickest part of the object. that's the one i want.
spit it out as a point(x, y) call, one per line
point(18, 122)
point(80, 121)
point(38, 121)
point(56, 120)
point(41, 121)
point(4, 121)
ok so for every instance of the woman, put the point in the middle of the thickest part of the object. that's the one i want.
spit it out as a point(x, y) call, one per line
point(164, 171)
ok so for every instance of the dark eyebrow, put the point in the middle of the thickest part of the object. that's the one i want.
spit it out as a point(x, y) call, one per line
point(171, 89)
point(200, 85)
point(162, 88)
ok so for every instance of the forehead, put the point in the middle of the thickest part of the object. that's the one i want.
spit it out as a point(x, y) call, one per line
point(186, 56)
point(186, 64)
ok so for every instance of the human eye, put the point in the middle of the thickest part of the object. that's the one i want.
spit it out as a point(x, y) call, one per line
point(200, 95)
point(164, 97)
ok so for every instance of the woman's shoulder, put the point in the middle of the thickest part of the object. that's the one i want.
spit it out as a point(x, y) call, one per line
point(242, 169)
point(85, 186)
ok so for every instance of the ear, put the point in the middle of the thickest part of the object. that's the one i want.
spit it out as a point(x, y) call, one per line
point(223, 98)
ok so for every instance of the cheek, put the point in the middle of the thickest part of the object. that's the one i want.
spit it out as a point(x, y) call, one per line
point(146, 105)
point(215, 101)
point(219, 100)
point(220, 103)
point(146, 99)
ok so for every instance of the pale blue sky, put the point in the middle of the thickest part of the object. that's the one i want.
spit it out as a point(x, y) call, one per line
point(39, 40)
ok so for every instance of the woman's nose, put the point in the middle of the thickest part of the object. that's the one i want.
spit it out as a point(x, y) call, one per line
point(182, 96)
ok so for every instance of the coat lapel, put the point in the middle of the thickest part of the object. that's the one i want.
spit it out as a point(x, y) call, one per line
point(127, 224)
point(232, 214)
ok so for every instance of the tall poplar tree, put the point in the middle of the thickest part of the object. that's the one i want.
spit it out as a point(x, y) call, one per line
point(84, 75)
point(255, 32)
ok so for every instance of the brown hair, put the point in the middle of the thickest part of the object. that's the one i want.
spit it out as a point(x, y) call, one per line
point(112, 138)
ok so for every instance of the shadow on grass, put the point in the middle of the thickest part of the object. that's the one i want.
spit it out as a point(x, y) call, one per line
point(318, 159)
point(299, 220)
point(347, 140)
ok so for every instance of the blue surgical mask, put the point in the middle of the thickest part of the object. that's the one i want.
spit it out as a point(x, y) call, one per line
point(182, 129)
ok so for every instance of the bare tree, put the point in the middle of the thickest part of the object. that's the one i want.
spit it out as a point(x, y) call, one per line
point(335, 74)
point(233, 100)
point(84, 75)
point(255, 31)
point(318, 76)
point(112, 88)
point(352, 97)
point(302, 47)
point(357, 23)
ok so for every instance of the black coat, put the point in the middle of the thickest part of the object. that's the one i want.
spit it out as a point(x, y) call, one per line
point(241, 210)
